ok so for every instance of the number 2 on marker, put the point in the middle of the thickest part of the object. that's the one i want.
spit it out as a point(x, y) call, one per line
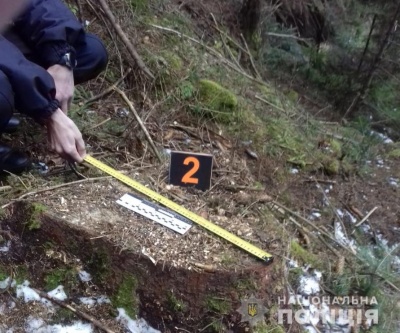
point(187, 178)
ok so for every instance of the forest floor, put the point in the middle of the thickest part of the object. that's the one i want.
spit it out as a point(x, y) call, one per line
point(284, 171)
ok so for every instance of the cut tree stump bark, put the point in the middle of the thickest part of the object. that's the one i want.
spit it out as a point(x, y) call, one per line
point(160, 284)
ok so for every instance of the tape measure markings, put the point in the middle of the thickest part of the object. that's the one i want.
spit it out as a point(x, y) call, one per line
point(181, 210)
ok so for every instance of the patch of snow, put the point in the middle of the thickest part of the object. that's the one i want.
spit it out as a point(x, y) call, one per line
point(2, 310)
point(91, 301)
point(27, 293)
point(33, 325)
point(88, 301)
point(340, 212)
point(4, 284)
point(84, 276)
point(396, 264)
point(6, 247)
point(134, 326)
point(380, 163)
point(315, 214)
point(37, 325)
point(309, 285)
point(317, 275)
point(394, 182)
point(384, 137)
point(294, 171)
point(343, 214)
point(382, 240)
point(341, 237)
point(366, 228)
point(313, 315)
point(58, 293)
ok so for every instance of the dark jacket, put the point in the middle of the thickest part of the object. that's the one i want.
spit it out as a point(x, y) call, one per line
point(49, 30)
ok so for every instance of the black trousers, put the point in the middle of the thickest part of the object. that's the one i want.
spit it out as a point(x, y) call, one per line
point(91, 58)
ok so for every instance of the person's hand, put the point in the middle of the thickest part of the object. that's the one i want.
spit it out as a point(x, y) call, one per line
point(64, 137)
point(64, 81)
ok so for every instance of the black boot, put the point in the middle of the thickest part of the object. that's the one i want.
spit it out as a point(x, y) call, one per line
point(12, 160)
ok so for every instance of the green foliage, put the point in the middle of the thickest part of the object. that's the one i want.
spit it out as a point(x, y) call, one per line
point(385, 100)
point(370, 277)
point(186, 90)
point(395, 153)
point(331, 165)
point(139, 6)
point(60, 276)
point(216, 326)
point(175, 304)
point(21, 274)
point(125, 296)
point(294, 276)
point(268, 328)
point(62, 315)
point(218, 306)
point(245, 286)
point(100, 265)
point(220, 103)
point(172, 59)
point(305, 257)
point(34, 214)
point(341, 285)
point(3, 273)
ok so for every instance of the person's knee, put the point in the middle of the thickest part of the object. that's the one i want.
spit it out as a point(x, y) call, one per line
point(6, 100)
point(98, 56)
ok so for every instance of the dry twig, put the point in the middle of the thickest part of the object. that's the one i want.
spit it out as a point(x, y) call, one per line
point(365, 218)
point(225, 45)
point(125, 39)
point(100, 123)
point(54, 188)
point(109, 90)
point(79, 313)
point(251, 58)
point(270, 104)
point(213, 52)
point(143, 127)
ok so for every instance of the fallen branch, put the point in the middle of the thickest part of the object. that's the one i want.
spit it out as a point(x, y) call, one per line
point(312, 225)
point(213, 52)
point(54, 188)
point(251, 58)
point(100, 124)
point(225, 45)
point(79, 313)
point(322, 181)
point(144, 129)
point(366, 217)
point(5, 188)
point(124, 38)
point(240, 47)
point(237, 188)
point(207, 268)
point(274, 34)
point(270, 104)
point(109, 90)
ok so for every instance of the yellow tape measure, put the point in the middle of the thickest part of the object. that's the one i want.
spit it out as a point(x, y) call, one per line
point(181, 210)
